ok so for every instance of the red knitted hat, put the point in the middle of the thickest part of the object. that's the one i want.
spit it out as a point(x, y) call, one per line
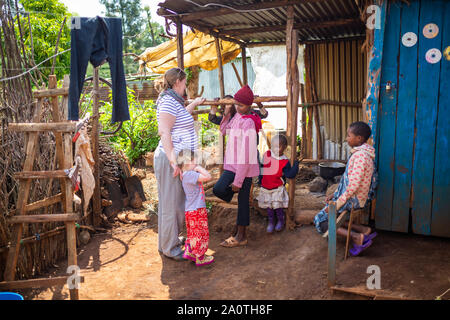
point(244, 95)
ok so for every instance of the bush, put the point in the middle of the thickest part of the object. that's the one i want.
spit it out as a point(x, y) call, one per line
point(209, 132)
point(137, 136)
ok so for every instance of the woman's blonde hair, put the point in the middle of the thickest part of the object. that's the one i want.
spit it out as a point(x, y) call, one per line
point(171, 76)
point(186, 156)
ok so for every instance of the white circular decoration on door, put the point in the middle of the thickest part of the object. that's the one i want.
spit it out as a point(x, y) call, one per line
point(409, 39)
point(433, 55)
point(430, 31)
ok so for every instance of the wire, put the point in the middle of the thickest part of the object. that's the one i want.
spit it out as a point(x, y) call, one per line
point(225, 6)
point(40, 68)
point(39, 12)
point(35, 67)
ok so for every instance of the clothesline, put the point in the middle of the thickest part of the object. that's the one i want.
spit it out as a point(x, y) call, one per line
point(37, 12)
point(35, 67)
point(40, 68)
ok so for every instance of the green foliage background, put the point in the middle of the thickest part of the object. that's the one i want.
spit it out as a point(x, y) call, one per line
point(139, 135)
point(46, 18)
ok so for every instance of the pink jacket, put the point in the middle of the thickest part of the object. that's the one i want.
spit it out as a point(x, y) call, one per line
point(360, 170)
point(241, 155)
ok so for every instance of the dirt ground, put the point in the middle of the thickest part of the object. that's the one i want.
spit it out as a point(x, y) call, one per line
point(124, 263)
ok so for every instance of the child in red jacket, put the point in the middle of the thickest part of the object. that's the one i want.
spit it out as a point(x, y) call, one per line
point(273, 194)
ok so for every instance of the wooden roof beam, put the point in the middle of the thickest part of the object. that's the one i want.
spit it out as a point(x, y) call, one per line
point(301, 25)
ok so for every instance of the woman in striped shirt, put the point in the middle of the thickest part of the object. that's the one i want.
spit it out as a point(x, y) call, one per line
point(177, 132)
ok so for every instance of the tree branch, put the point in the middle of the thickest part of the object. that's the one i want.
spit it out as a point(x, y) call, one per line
point(57, 45)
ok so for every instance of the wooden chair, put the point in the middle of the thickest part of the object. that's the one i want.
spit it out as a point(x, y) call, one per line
point(352, 216)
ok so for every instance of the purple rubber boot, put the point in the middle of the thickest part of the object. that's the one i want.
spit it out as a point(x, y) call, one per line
point(280, 216)
point(271, 216)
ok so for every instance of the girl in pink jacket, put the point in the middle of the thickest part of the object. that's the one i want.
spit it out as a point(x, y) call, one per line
point(240, 161)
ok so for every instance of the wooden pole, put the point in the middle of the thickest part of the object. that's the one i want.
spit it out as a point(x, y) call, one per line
point(289, 28)
point(52, 82)
point(332, 244)
point(180, 45)
point(292, 85)
point(315, 98)
point(71, 234)
point(237, 74)
point(231, 101)
point(96, 198)
point(349, 231)
point(222, 95)
point(244, 65)
point(271, 106)
point(22, 198)
point(220, 64)
point(309, 99)
point(303, 144)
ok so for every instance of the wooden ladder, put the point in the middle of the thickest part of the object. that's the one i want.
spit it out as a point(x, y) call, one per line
point(63, 131)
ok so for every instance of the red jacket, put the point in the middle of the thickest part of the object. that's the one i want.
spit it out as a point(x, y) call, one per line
point(275, 169)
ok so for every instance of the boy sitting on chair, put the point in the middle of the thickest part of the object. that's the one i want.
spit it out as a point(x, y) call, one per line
point(354, 187)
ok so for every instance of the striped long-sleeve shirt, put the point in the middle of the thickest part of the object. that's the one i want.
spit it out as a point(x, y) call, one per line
point(183, 131)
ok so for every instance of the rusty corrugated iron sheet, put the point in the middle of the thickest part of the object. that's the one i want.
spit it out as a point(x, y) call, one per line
point(340, 74)
point(309, 12)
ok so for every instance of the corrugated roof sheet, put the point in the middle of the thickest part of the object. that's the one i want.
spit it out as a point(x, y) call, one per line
point(315, 19)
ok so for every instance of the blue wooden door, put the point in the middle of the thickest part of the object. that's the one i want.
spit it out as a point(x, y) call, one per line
point(414, 120)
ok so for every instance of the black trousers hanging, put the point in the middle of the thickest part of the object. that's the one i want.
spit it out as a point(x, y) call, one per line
point(96, 40)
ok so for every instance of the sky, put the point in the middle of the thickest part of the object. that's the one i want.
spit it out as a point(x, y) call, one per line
point(92, 8)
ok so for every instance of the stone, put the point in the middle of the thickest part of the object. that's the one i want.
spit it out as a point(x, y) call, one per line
point(319, 184)
point(305, 174)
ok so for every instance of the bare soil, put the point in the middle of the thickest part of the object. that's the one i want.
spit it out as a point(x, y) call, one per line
point(124, 263)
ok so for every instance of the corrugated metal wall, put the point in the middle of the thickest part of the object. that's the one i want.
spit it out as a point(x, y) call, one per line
point(340, 75)
point(210, 79)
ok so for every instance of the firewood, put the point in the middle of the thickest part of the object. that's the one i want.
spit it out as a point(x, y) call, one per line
point(136, 217)
point(106, 203)
point(123, 218)
point(104, 193)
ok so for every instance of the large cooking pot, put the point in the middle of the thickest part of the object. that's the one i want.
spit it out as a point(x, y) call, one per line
point(329, 170)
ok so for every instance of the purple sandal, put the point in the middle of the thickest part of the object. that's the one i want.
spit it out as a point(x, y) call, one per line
point(369, 237)
point(356, 250)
